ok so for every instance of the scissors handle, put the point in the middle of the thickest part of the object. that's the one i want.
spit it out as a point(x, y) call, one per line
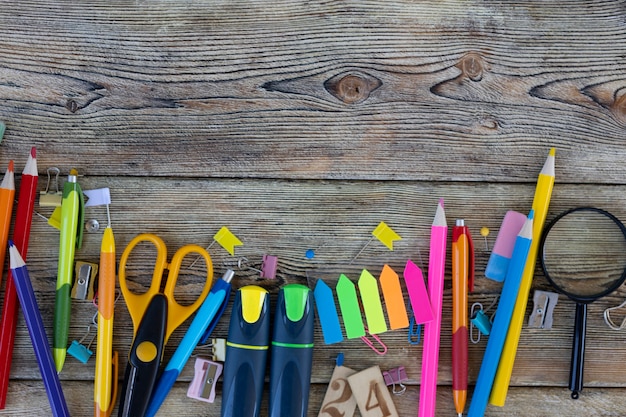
point(138, 303)
point(144, 359)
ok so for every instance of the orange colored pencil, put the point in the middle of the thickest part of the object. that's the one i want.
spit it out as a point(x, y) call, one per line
point(7, 197)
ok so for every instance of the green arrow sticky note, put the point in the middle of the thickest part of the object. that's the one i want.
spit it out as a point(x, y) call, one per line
point(349, 306)
point(370, 297)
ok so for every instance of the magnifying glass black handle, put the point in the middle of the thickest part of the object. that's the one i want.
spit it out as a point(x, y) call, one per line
point(578, 351)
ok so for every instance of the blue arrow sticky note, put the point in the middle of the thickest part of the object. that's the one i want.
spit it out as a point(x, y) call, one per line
point(327, 313)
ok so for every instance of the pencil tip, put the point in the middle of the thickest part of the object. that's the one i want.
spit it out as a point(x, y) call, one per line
point(441, 202)
point(33, 152)
point(11, 165)
point(552, 151)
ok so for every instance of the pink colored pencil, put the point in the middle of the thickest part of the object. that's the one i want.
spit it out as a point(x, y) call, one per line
point(432, 329)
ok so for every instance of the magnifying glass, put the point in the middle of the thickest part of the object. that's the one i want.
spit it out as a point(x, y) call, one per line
point(583, 255)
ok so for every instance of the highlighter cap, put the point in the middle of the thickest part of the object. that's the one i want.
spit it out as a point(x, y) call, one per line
point(250, 319)
point(294, 317)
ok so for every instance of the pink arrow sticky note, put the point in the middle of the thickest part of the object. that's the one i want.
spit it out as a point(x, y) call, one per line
point(418, 294)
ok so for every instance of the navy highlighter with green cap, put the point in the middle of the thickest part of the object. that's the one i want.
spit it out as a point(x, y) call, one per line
point(246, 353)
point(291, 352)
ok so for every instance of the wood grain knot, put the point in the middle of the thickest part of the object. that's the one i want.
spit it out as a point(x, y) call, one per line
point(619, 108)
point(352, 88)
point(71, 105)
point(472, 66)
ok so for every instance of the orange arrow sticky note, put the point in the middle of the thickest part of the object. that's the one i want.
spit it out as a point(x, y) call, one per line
point(394, 301)
point(227, 240)
point(386, 235)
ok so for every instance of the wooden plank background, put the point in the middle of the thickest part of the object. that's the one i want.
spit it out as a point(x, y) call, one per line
point(302, 125)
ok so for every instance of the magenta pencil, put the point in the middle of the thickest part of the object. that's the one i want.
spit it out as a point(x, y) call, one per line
point(432, 329)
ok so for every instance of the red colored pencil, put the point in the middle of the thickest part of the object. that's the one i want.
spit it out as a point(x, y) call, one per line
point(21, 234)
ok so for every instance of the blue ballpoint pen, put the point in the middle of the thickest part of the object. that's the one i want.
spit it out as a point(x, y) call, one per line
point(208, 314)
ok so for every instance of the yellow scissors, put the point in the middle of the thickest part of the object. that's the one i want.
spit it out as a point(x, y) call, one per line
point(155, 316)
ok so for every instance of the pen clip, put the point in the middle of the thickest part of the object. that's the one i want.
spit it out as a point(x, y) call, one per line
point(471, 263)
point(218, 315)
point(81, 218)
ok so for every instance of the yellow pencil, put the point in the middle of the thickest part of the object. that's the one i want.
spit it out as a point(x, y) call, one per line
point(106, 360)
point(541, 202)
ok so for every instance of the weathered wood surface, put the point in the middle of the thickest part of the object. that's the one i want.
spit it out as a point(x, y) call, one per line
point(302, 125)
point(246, 90)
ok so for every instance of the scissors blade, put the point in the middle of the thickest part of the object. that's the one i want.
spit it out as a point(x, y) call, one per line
point(144, 359)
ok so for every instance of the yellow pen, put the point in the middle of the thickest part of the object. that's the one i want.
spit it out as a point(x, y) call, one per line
point(70, 238)
point(541, 202)
point(106, 359)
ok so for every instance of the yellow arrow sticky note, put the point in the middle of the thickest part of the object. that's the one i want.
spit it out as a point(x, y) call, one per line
point(227, 240)
point(386, 235)
point(370, 299)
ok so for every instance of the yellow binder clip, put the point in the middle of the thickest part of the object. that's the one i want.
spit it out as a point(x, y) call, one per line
point(49, 198)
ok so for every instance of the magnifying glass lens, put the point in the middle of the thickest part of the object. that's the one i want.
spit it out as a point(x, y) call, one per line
point(584, 254)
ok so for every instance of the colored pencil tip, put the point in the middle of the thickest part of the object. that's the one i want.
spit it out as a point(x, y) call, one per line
point(552, 151)
point(531, 214)
point(11, 243)
point(10, 165)
point(441, 202)
point(33, 152)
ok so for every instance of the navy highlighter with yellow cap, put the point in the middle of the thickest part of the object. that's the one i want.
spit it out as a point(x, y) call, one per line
point(246, 353)
point(292, 352)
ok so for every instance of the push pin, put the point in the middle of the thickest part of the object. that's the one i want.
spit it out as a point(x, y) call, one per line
point(544, 302)
point(49, 198)
point(97, 197)
point(384, 234)
point(226, 240)
point(80, 351)
point(484, 232)
point(396, 376)
point(85, 277)
point(206, 374)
